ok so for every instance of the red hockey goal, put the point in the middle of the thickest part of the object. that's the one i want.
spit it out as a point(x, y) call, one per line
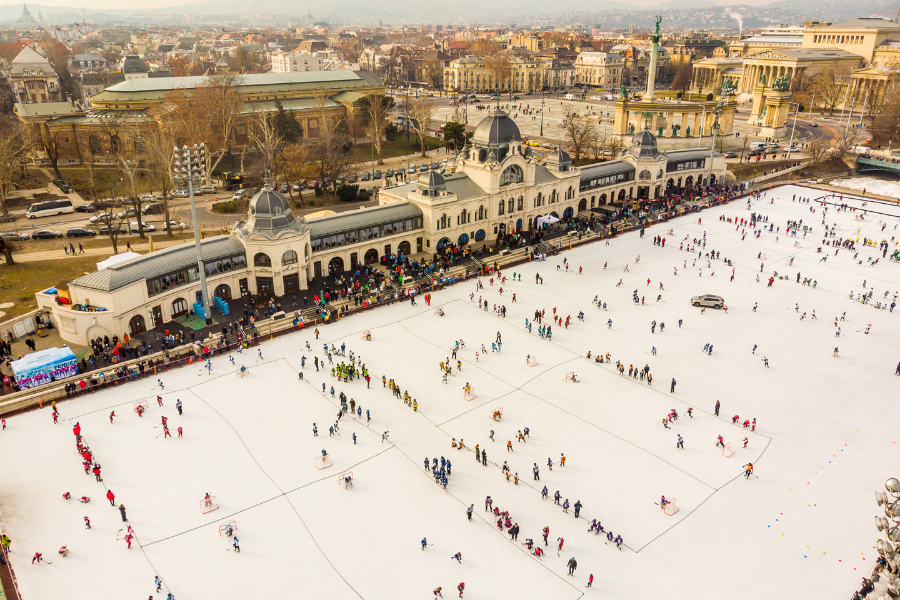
point(223, 528)
point(346, 478)
point(142, 404)
point(207, 505)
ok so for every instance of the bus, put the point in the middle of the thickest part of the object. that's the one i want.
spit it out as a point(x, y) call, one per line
point(49, 208)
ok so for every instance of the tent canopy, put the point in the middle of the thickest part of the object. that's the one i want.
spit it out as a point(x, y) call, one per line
point(546, 219)
point(44, 366)
point(116, 259)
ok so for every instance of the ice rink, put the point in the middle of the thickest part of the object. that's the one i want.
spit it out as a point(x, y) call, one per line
point(801, 527)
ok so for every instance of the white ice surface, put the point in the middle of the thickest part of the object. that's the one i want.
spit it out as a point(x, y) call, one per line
point(826, 438)
point(872, 185)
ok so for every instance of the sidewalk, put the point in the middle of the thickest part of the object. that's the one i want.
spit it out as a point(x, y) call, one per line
point(105, 252)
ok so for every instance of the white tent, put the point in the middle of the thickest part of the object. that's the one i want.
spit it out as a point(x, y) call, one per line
point(548, 219)
point(116, 259)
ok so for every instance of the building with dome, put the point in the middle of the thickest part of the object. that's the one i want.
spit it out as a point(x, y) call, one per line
point(495, 185)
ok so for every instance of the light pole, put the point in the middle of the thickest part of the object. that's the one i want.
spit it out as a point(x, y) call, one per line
point(542, 113)
point(188, 166)
point(793, 128)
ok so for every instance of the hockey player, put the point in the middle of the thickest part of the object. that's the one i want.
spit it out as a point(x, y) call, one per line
point(178, 405)
point(561, 542)
point(720, 441)
point(746, 441)
point(748, 470)
point(112, 416)
point(87, 522)
point(458, 557)
point(461, 587)
point(546, 532)
point(424, 543)
point(159, 398)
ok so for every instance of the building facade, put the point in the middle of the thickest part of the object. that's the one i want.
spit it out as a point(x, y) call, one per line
point(494, 186)
point(293, 62)
point(601, 69)
point(32, 78)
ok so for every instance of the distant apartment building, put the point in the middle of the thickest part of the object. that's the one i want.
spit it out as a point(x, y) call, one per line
point(32, 78)
point(296, 62)
point(601, 69)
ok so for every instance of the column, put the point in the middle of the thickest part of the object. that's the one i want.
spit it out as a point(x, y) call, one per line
point(683, 131)
point(668, 130)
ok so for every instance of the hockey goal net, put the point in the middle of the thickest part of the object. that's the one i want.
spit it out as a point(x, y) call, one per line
point(208, 505)
point(141, 406)
point(346, 479)
point(531, 361)
point(366, 335)
point(497, 414)
point(228, 528)
point(670, 508)
point(570, 376)
point(469, 393)
point(323, 462)
point(242, 372)
point(727, 452)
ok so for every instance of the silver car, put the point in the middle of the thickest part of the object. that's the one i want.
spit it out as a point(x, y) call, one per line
point(708, 300)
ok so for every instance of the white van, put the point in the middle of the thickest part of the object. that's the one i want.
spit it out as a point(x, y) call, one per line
point(757, 145)
point(49, 208)
point(568, 97)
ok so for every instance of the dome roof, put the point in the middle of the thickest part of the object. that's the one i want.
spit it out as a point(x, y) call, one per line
point(133, 64)
point(496, 129)
point(644, 144)
point(270, 215)
point(432, 180)
point(559, 157)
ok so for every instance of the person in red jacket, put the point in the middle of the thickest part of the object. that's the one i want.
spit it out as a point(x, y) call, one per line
point(111, 497)
point(461, 587)
point(77, 429)
point(97, 471)
point(111, 416)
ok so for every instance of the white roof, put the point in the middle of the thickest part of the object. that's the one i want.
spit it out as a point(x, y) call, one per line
point(28, 55)
point(116, 259)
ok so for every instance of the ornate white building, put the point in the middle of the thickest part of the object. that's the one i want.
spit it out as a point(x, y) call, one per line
point(494, 186)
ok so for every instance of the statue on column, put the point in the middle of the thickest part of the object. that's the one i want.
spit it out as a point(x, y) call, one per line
point(658, 21)
point(762, 78)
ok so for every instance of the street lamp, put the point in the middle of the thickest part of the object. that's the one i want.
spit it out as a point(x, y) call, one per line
point(188, 167)
point(793, 128)
point(542, 112)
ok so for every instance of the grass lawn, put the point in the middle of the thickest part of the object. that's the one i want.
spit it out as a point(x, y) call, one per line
point(19, 282)
point(77, 177)
point(394, 148)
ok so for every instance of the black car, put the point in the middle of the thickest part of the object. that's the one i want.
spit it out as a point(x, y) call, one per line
point(62, 185)
point(105, 230)
point(377, 174)
point(46, 234)
point(351, 178)
point(80, 232)
point(365, 176)
point(285, 188)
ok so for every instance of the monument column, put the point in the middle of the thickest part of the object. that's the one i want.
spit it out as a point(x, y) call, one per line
point(650, 96)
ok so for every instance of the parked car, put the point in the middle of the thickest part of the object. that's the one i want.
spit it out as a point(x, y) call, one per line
point(209, 189)
point(285, 188)
point(773, 145)
point(106, 229)
point(102, 218)
point(423, 168)
point(80, 232)
point(813, 124)
point(389, 173)
point(147, 226)
point(532, 143)
point(411, 169)
point(365, 176)
point(173, 225)
point(7, 218)
point(88, 208)
point(46, 234)
point(128, 212)
point(596, 98)
point(313, 184)
point(152, 209)
point(62, 185)
point(731, 155)
point(238, 195)
point(180, 194)
point(435, 165)
point(708, 300)
point(377, 174)
point(351, 178)
point(14, 236)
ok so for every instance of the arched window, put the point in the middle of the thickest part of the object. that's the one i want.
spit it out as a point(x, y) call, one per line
point(136, 325)
point(511, 205)
point(114, 143)
point(480, 214)
point(521, 203)
point(179, 307)
point(223, 291)
point(262, 260)
point(461, 220)
point(480, 235)
point(645, 174)
point(289, 258)
point(443, 222)
point(501, 207)
point(94, 144)
point(512, 174)
point(569, 194)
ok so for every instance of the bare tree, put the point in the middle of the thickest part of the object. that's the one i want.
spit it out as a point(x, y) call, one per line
point(683, 76)
point(843, 144)
point(50, 142)
point(378, 107)
point(12, 154)
point(614, 146)
point(886, 125)
point(580, 133)
point(130, 171)
point(420, 112)
point(816, 151)
point(831, 87)
point(294, 164)
point(500, 67)
point(159, 165)
point(266, 138)
point(111, 220)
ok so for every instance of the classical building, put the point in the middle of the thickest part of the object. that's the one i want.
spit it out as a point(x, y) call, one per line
point(480, 74)
point(131, 100)
point(862, 37)
point(769, 38)
point(87, 62)
point(689, 50)
point(32, 78)
point(288, 62)
point(494, 186)
point(601, 69)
